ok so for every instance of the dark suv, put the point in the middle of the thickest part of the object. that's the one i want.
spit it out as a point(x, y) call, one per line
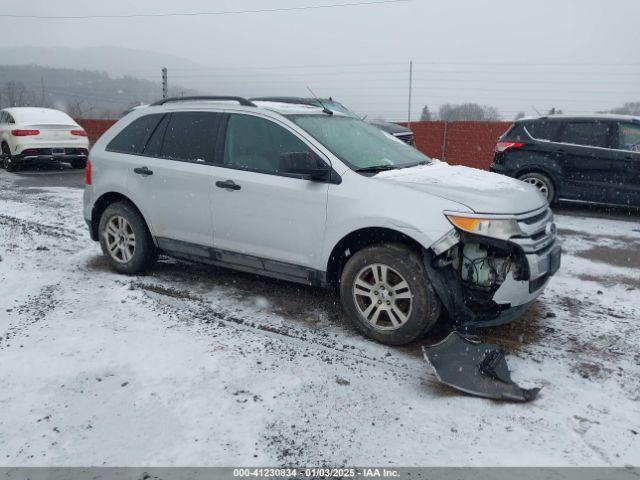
point(584, 158)
point(397, 130)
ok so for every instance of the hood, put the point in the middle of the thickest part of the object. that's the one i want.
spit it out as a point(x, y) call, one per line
point(392, 128)
point(481, 191)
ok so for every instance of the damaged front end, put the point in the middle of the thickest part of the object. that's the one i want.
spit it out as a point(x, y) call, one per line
point(489, 269)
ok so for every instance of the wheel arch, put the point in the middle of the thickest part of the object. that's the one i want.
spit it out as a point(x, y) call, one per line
point(101, 205)
point(359, 239)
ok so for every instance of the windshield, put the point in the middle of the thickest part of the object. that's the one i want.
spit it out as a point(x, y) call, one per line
point(358, 144)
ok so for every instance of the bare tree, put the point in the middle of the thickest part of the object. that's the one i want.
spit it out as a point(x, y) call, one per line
point(79, 109)
point(468, 112)
point(15, 94)
point(520, 115)
point(426, 114)
point(629, 108)
point(554, 111)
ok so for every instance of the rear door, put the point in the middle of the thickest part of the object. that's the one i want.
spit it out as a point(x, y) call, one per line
point(259, 211)
point(585, 155)
point(627, 143)
point(172, 179)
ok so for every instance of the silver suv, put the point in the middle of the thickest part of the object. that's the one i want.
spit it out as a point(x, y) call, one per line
point(305, 194)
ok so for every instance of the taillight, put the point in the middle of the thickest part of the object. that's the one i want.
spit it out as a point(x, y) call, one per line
point(24, 133)
point(79, 133)
point(502, 147)
point(87, 173)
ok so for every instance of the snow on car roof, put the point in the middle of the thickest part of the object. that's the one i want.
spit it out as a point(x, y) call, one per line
point(290, 108)
point(34, 115)
point(593, 116)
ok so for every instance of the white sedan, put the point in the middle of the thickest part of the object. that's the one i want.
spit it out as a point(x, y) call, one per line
point(33, 135)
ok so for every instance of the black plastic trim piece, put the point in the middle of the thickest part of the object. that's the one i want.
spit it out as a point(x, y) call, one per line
point(242, 262)
point(242, 101)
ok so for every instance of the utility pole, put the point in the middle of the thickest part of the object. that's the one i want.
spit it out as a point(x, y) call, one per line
point(410, 91)
point(165, 87)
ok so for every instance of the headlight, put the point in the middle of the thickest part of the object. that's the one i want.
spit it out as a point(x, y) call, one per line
point(503, 228)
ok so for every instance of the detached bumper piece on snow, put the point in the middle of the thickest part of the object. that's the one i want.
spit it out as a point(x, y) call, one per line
point(475, 368)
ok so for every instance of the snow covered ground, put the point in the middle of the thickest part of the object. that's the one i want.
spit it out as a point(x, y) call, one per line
point(194, 365)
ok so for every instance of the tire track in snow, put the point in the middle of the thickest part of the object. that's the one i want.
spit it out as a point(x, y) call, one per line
point(306, 338)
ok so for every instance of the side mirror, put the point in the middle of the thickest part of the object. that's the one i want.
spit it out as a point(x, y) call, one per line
point(305, 164)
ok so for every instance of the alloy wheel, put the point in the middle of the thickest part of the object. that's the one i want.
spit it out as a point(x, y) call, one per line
point(539, 184)
point(383, 297)
point(120, 239)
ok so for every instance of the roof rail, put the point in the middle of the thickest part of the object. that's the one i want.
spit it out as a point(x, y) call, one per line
point(242, 101)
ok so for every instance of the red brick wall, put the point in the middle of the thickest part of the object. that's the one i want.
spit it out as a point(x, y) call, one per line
point(95, 128)
point(467, 143)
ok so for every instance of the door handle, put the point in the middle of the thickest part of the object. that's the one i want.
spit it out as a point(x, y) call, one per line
point(228, 185)
point(144, 171)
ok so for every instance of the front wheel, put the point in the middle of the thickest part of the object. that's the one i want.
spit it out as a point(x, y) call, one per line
point(386, 293)
point(125, 239)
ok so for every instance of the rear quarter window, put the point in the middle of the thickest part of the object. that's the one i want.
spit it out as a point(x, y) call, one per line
point(135, 135)
point(542, 130)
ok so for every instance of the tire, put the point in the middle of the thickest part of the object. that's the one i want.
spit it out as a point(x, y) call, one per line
point(419, 304)
point(542, 182)
point(6, 156)
point(126, 254)
point(79, 164)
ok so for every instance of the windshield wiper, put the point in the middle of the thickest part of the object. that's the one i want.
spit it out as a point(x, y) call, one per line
point(376, 168)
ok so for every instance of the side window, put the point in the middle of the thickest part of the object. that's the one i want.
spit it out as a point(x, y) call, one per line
point(191, 136)
point(593, 134)
point(629, 137)
point(257, 144)
point(543, 129)
point(2, 117)
point(134, 136)
point(9, 118)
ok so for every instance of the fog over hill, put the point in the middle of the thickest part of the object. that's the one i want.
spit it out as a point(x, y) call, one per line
point(185, 76)
point(116, 61)
point(81, 93)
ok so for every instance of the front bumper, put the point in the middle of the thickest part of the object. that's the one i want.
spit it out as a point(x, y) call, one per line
point(539, 255)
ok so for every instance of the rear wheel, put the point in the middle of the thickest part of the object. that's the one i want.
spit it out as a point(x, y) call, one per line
point(125, 239)
point(542, 182)
point(6, 159)
point(387, 295)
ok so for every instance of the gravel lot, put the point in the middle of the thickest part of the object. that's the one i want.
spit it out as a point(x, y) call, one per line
point(194, 365)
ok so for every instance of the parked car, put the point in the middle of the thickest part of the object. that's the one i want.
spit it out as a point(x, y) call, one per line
point(398, 131)
point(594, 158)
point(31, 135)
point(294, 193)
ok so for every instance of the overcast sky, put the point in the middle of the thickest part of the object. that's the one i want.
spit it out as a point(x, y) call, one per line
point(578, 55)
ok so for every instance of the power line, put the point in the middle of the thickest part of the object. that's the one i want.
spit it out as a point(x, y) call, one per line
point(400, 64)
point(199, 14)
